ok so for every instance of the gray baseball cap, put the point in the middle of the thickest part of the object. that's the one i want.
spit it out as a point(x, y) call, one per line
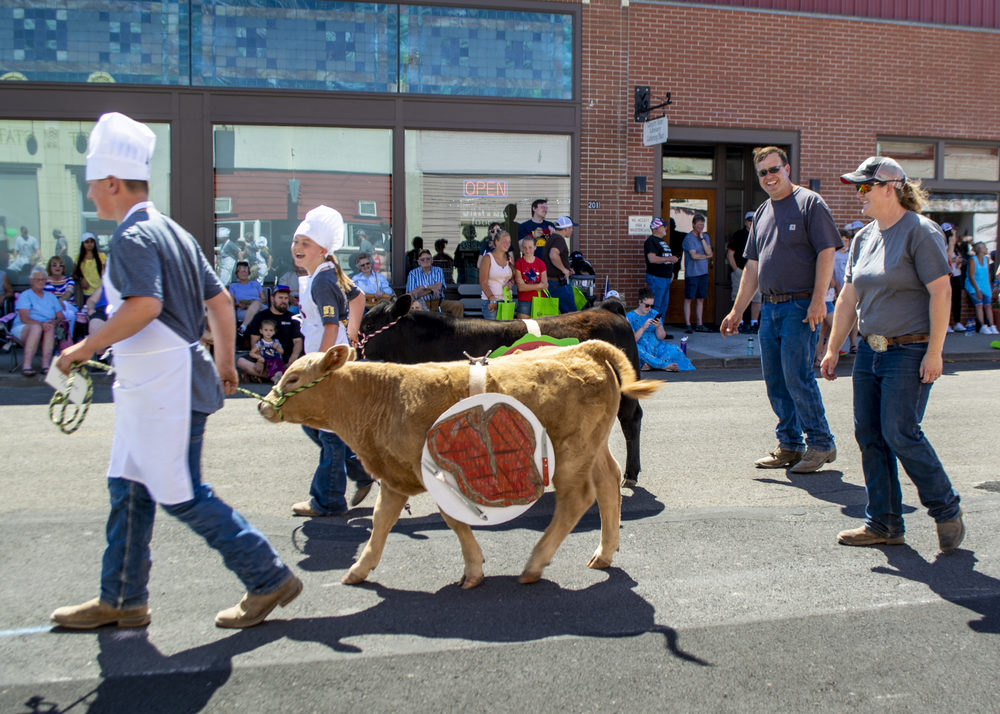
point(876, 168)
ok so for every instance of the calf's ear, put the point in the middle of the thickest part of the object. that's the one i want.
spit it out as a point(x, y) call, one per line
point(402, 305)
point(336, 357)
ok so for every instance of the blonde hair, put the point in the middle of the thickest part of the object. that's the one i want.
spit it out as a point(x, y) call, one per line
point(345, 283)
point(911, 196)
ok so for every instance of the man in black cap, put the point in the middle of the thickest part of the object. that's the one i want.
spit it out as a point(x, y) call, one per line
point(286, 331)
point(790, 256)
point(556, 257)
point(659, 267)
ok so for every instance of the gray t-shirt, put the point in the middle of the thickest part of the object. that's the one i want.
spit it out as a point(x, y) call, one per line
point(694, 267)
point(786, 237)
point(152, 256)
point(890, 271)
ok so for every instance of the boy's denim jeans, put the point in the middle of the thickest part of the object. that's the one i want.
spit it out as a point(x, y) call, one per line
point(336, 463)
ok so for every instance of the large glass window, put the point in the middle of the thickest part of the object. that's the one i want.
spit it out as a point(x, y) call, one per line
point(43, 193)
point(689, 163)
point(457, 183)
point(267, 178)
point(291, 44)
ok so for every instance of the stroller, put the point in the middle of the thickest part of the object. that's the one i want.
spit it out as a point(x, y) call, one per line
point(583, 280)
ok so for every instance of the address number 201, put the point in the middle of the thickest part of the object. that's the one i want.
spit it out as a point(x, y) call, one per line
point(593, 204)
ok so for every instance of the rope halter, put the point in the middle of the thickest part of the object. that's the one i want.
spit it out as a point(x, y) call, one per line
point(283, 396)
point(368, 335)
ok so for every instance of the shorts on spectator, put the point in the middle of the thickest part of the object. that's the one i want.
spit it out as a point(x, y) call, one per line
point(696, 287)
point(976, 301)
point(736, 277)
point(523, 307)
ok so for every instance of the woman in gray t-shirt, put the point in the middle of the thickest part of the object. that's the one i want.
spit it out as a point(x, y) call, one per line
point(897, 286)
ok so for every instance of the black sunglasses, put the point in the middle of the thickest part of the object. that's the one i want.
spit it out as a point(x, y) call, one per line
point(772, 170)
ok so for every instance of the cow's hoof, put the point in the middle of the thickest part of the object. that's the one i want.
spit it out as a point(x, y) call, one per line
point(351, 579)
point(467, 583)
point(528, 578)
point(598, 563)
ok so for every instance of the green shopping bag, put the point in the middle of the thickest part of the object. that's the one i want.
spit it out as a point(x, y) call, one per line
point(542, 306)
point(579, 298)
point(506, 307)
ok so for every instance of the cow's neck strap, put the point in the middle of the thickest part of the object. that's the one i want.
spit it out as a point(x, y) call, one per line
point(532, 326)
point(477, 374)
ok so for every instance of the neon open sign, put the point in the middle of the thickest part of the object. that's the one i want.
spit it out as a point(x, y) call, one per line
point(484, 187)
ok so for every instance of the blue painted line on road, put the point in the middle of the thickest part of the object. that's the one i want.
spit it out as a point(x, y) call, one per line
point(25, 631)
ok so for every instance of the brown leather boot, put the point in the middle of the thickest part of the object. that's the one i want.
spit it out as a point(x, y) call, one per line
point(97, 613)
point(780, 458)
point(252, 609)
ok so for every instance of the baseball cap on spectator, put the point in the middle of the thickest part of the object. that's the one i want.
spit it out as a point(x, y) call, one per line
point(876, 168)
point(947, 227)
point(281, 289)
point(119, 146)
point(565, 222)
point(656, 223)
point(325, 227)
point(748, 215)
point(223, 232)
point(87, 235)
point(854, 225)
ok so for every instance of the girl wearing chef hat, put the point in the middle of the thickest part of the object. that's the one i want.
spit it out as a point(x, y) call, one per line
point(326, 297)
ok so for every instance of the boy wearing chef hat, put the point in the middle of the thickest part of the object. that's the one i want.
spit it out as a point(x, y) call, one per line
point(158, 285)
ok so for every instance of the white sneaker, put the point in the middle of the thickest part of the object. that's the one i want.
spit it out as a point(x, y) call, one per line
point(993, 330)
point(959, 327)
point(950, 328)
point(985, 330)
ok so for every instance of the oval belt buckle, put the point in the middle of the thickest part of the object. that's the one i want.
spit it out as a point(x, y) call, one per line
point(878, 343)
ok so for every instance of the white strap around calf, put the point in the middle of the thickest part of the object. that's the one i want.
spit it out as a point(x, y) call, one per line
point(532, 326)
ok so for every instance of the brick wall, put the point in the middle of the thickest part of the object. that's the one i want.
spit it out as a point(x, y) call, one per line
point(734, 68)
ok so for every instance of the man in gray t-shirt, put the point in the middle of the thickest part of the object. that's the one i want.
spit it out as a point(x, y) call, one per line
point(790, 256)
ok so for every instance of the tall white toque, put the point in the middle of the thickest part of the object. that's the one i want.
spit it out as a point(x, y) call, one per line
point(121, 147)
point(324, 226)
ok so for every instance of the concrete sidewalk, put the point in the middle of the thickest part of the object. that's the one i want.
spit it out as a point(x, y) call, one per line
point(712, 350)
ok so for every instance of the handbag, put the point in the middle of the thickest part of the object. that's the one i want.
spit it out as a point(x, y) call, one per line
point(506, 307)
point(543, 306)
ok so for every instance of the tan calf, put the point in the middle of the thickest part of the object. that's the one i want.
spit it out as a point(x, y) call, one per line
point(574, 392)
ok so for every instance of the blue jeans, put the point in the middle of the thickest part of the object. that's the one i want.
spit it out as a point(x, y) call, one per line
point(336, 463)
point(567, 303)
point(889, 403)
point(487, 312)
point(126, 563)
point(661, 294)
point(787, 350)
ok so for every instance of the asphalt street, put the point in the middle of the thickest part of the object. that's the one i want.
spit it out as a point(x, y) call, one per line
point(729, 592)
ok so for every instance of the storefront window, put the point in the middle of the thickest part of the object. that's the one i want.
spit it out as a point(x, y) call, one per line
point(971, 163)
point(916, 157)
point(43, 193)
point(688, 163)
point(267, 178)
point(457, 183)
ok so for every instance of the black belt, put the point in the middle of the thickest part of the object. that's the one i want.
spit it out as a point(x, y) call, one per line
point(880, 343)
point(786, 297)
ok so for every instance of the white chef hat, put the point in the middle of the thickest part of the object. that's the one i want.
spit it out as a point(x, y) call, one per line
point(325, 227)
point(119, 147)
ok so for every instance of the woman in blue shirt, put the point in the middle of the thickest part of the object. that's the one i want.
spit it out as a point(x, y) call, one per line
point(37, 313)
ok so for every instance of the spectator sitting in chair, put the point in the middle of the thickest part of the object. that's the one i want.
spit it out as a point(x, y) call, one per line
point(247, 294)
point(425, 284)
point(37, 314)
point(373, 284)
point(287, 333)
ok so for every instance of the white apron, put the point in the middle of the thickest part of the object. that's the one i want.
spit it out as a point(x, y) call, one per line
point(312, 322)
point(152, 396)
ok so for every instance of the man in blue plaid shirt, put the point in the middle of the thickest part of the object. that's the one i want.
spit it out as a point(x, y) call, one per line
point(425, 284)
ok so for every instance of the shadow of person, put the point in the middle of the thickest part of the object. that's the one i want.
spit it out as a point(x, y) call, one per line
point(136, 676)
point(953, 577)
point(830, 486)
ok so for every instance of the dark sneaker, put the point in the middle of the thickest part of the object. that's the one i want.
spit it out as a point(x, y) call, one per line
point(701, 328)
point(97, 613)
point(864, 536)
point(950, 534)
point(780, 458)
point(688, 330)
point(813, 460)
point(252, 609)
point(668, 336)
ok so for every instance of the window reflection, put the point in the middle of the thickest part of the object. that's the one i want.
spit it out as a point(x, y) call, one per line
point(267, 179)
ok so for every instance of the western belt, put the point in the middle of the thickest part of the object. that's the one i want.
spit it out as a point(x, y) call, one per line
point(880, 343)
point(785, 297)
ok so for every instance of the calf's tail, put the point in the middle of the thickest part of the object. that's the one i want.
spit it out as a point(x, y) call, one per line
point(628, 380)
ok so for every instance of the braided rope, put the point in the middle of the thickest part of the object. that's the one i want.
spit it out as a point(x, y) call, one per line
point(68, 424)
point(368, 336)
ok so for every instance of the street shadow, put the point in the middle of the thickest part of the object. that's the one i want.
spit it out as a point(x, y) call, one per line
point(953, 577)
point(333, 544)
point(829, 485)
point(136, 676)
